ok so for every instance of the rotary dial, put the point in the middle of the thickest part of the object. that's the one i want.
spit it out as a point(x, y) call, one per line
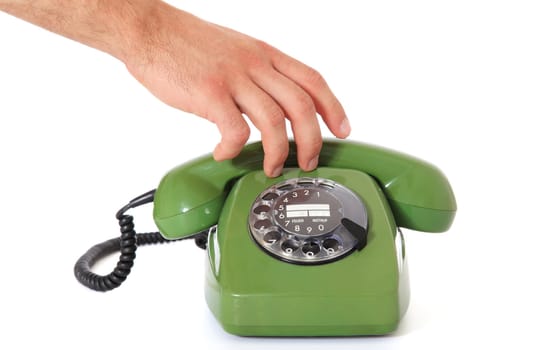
point(308, 221)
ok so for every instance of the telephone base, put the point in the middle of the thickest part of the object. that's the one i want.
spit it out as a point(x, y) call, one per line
point(254, 294)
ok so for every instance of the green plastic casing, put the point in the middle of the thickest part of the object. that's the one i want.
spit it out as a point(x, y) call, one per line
point(254, 294)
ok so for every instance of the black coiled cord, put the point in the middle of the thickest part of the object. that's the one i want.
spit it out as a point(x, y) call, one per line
point(126, 244)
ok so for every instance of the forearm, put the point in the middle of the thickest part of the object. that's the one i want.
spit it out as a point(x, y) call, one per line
point(112, 26)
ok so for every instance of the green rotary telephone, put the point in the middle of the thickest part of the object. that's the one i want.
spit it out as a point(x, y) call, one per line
point(314, 253)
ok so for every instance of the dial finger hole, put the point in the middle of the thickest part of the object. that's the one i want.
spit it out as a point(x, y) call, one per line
point(305, 182)
point(290, 246)
point(327, 185)
point(310, 249)
point(272, 237)
point(262, 224)
point(261, 209)
point(331, 245)
point(270, 196)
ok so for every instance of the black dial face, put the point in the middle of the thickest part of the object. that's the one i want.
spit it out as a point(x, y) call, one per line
point(307, 211)
point(303, 220)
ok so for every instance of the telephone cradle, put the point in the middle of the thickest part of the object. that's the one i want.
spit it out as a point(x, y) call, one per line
point(314, 253)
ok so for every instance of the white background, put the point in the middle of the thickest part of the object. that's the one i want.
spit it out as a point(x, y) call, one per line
point(460, 84)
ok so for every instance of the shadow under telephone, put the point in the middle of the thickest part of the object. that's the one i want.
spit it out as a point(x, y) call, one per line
point(314, 253)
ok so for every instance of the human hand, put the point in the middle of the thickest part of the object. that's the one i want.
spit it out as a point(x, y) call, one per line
point(220, 74)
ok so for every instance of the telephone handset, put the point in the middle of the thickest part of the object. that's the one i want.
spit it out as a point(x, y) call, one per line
point(190, 198)
point(305, 254)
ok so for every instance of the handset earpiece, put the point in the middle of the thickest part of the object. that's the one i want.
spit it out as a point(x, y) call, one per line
point(419, 194)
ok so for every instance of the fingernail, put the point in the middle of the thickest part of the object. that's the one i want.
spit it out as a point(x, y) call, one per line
point(345, 128)
point(313, 164)
point(277, 172)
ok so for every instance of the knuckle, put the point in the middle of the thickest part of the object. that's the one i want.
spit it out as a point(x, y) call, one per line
point(237, 134)
point(262, 45)
point(254, 62)
point(254, 58)
point(305, 105)
point(276, 118)
point(314, 77)
point(266, 49)
point(274, 115)
point(242, 134)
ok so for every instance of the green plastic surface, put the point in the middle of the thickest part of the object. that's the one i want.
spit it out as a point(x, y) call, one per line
point(254, 294)
point(190, 198)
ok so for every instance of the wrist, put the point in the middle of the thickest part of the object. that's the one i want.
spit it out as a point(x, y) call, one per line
point(131, 28)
